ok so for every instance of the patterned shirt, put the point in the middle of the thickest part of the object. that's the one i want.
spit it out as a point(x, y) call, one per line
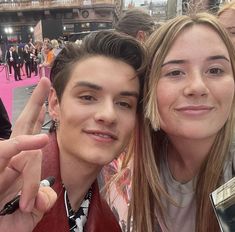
point(77, 220)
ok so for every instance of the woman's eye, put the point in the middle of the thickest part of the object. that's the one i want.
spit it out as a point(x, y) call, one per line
point(216, 71)
point(175, 73)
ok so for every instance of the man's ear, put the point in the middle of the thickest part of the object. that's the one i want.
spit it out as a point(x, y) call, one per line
point(53, 105)
point(141, 36)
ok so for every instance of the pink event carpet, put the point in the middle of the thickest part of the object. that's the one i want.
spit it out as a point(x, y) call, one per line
point(7, 86)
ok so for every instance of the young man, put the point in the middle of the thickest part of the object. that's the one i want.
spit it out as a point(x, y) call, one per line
point(93, 102)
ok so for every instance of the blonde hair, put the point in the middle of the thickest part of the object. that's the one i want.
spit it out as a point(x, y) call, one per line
point(226, 7)
point(148, 191)
point(54, 43)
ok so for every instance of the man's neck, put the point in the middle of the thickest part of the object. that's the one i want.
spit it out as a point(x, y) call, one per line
point(77, 177)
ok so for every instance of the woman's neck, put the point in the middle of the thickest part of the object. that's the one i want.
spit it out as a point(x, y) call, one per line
point(185, 157)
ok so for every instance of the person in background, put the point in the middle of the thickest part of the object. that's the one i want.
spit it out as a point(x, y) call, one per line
point(81, 140)
point(1, 56)
point(226, 15)
point(49, 57)
point(61, 43)
point(136, 23)
point(16, 63)
point(31, 44)
point(184, 148)
point(5, 124)
point(45, 42)
point(38, 58)
point(33, 58)
point(9, 59)
point(27, 61)
point(55, 47)
point(21, 57)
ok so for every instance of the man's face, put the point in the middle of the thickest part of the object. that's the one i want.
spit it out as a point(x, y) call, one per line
point(97, 110)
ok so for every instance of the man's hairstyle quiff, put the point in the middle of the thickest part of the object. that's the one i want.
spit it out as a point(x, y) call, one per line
point(103, 43)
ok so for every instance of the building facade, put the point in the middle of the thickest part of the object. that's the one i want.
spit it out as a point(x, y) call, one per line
point(18, 18)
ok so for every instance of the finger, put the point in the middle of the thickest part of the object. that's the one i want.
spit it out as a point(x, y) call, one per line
point(28, 164)
point(40, 120)
point(46, 198)
point(10, 183)
point(11, 147)
point(27, 119)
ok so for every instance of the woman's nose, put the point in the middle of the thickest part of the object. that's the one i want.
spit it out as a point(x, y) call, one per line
point(196, 85)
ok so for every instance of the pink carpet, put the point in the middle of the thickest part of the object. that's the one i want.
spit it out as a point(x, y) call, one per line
point(7, 87)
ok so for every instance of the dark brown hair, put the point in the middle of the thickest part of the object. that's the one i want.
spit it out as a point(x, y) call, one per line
point(135, 20)
point(103, 43)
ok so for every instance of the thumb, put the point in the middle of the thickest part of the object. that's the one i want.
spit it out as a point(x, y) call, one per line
point(45, 200)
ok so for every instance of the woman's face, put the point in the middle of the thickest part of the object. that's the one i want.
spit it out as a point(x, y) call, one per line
point(227, 18)
point(97, 111)
point(196, 87)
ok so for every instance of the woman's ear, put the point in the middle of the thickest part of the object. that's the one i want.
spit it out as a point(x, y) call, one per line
point(53, 105)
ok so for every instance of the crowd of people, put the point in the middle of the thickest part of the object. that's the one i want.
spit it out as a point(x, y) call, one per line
point(152, 110)
point(32, 58)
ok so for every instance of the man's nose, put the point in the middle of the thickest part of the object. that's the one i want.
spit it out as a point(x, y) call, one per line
point(106, 113)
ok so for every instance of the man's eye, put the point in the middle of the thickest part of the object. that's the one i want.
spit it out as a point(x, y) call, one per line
point(124, 104)
point(87, 98)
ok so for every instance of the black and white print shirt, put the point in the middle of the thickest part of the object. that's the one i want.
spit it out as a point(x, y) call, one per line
point(77, 220)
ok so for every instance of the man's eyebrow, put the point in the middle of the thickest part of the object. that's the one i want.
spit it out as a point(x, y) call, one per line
point(174, 62)
point(218, 57)
point(87, 84)
point(130, 93)
point(97, 87)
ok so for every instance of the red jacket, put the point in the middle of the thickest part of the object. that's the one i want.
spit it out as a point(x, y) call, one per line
point(100, 217)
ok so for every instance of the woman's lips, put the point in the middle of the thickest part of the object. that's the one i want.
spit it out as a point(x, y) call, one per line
point(195, 110)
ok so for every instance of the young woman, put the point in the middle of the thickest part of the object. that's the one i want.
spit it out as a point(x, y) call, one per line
point(93, 102)
point(185, 147)
point(226, 16)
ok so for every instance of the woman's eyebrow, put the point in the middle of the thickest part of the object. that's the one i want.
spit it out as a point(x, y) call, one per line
point(174, 62)
point(218, 57)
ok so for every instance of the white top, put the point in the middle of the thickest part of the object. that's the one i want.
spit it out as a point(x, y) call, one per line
point(182, 217)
